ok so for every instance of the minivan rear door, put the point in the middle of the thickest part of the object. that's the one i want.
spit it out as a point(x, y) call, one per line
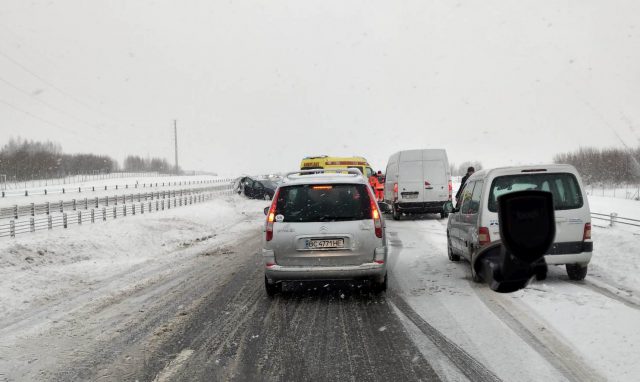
point(436, 185)
point(324, 225)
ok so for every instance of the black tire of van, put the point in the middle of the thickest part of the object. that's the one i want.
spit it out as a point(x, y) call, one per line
point(272, 289)
point(378, 287)
point(576, 272)
point(452, 256)
point(394, 212)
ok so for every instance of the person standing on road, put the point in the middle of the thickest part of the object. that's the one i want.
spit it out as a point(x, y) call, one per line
point(470, 172)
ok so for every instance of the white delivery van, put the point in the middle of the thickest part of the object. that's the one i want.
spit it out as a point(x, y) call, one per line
point(418, 182)
point(474, 223)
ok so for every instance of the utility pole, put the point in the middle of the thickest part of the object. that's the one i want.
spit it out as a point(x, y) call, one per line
point(175, 136)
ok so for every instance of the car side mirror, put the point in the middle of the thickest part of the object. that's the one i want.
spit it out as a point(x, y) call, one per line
point(266, 210)
point(384, 207)
point(527, 229)
point(448, 207)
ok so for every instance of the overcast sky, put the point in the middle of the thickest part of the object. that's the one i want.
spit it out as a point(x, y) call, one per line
point(257, 85)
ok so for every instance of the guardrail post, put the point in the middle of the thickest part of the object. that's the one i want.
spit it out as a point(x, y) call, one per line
point(63, 190)
point(115, 212)
point(150, 209)
point(26, 193)
point(15, 211)
point(64, 220)
point(107, 203)
point(104, 214)
point(79, 217)
point(48, 208)
point(61, 206)
point(168, 204)
point(124, 210)
point(162, 204)
point(614, 217)
point(79, 190)
point(157, 204)
point(12, 228)
point(32, 225)
point(115, 200)
point(49, 222)
point(141, 208)
point(45, 191)
point(93, 215)
point(33, 209)
point(133, 209)
point(97, 200)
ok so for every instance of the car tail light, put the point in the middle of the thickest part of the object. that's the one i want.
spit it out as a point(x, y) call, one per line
point(395, 192)
point(450, 190)
point(484, 237)
point(271, 216)
point(375, 214)
point(587, 232)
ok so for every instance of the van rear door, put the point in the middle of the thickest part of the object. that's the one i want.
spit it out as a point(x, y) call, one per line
point(411, 182)
point(436, 185)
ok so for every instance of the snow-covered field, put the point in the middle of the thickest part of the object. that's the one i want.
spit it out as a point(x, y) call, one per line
point(49, 265)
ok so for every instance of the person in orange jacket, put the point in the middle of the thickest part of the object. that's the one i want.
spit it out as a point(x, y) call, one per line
point(376, 183)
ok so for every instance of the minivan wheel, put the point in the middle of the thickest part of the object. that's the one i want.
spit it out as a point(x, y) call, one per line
point(272, 289)
point(395, 214)
point(379, 287)
point(576, 271)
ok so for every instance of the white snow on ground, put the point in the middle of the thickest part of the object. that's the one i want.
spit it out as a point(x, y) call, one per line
point(48, 265)
point(125, 186)
point(597, 330)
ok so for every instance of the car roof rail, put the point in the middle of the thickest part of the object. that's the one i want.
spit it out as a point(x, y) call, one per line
point(334, 171)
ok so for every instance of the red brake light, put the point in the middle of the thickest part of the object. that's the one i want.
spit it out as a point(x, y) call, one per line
point(271, 216)
point(450, 189)
point(484, 237)
point(587, 232)
point(375, 214)
point(395, 191)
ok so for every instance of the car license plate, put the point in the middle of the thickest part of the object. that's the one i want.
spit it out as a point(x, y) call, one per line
point(324, 243)
point(410, 195)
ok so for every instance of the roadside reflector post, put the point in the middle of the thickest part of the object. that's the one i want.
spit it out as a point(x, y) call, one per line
point(73, 203)
point(157, 204)
point(26, 193)
point(45, 191)
point(15, 211)
point(124, 210)
point(104, 214)
point(49, 222)
point(48, 207)
point(614, 217)
point(61, 206)
point(79, 217)
point(33, 209)
point(12, 228)
point(115, 212)
point(86, 203)
point(97, 201)
point(141, 208)
point(64, 220)
point(32, 225)
point(93, 216)
point(79, 189)
point(133, 209)
point(163, 204)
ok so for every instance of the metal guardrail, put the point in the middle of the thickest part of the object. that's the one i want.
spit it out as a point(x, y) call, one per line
point(115, 211)
point(614, 219)
point(34, 209)
point(69, 190)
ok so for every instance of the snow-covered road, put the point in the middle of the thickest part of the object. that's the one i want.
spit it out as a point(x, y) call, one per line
point(179, 296)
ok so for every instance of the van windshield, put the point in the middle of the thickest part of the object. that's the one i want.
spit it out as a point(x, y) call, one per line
point(564, 187)
point(326, 202)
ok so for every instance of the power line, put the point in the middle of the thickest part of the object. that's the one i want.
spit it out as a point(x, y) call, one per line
point(37, 117)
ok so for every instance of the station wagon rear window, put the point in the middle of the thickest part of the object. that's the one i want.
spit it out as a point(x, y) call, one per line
point(324, 203)
point(564, 187)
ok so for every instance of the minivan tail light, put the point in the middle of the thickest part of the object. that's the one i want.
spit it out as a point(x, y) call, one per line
point(587, 232)
point(484, 237)
point(271, 216)
point(450, 190)
point(375, 214)
point(395, 192)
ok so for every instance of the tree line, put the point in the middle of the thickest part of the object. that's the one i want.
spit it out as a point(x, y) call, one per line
point(609, 166)
point(27, 159)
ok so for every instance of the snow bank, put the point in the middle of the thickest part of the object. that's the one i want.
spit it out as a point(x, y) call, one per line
point(47, 265)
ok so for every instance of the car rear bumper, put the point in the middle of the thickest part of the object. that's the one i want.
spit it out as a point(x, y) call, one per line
point(420, 207)
point(362, 271)
point(578, 252)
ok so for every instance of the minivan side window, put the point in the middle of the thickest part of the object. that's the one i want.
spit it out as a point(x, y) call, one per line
point(474, 205)
point(466, 197)
point(563, 186)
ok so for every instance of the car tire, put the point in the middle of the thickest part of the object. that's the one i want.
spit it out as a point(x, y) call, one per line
point(273, 288)
point(266, 196)
point(452, 256)
point(394, 213)
point(576, 272)
point(378, 287)
point(474, 275)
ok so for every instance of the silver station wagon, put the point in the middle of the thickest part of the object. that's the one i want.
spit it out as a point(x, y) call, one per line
point(324, 225)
